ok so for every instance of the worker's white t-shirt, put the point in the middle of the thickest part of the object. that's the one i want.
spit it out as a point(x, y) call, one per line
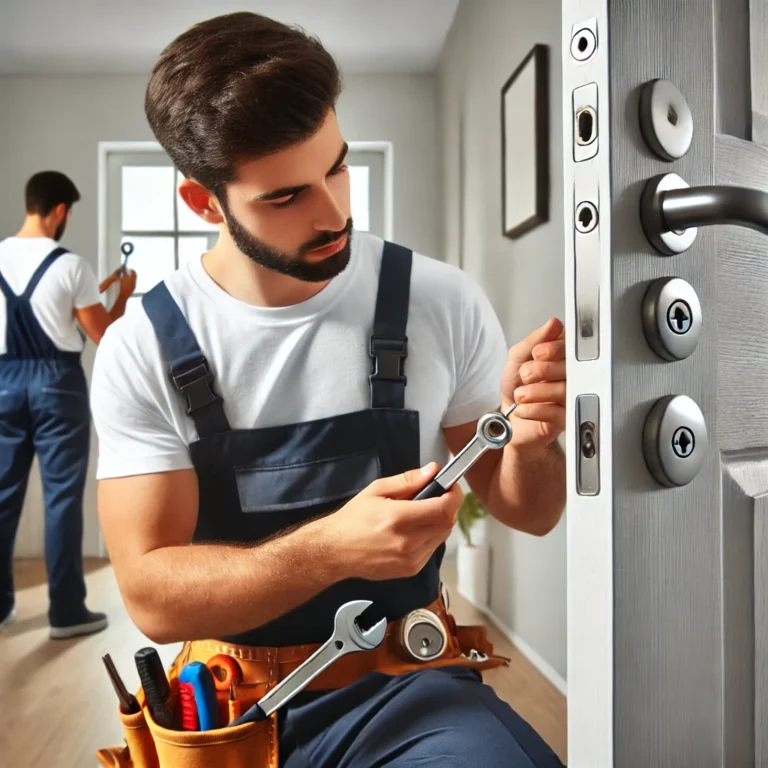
point(308, 361)
point(69, 284)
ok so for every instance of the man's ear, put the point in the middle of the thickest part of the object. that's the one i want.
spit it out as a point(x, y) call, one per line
point(200, 201)
point(61, 211)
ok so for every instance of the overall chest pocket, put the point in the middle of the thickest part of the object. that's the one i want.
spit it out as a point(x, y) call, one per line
point(305, 484)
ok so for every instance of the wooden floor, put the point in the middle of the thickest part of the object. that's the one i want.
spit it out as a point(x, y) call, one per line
point(58, 705)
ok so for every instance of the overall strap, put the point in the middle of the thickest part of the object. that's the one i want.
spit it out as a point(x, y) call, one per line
point(388, 342)
point(188, 367)
point(5, 289)
point(41, 270)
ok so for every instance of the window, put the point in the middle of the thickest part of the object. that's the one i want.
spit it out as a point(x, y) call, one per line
point(143, 207)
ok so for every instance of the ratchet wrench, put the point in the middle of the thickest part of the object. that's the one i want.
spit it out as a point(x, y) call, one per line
point(493, 432)
point(347, 637)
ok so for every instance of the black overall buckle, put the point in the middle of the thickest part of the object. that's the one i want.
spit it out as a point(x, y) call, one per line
point(195, 385)
point(389, 355)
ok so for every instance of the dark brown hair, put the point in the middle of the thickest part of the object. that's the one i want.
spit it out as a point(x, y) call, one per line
point(47, 189)
point(236, 87)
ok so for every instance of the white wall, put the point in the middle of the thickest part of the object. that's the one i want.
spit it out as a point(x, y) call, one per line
point(57, 123)
point(523, 278)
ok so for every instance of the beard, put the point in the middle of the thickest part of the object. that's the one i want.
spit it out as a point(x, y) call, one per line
point(59, 233)
point(292, 265)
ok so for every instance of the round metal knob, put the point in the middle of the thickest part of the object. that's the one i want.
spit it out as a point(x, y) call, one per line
point(675, 440)
point(666, 121)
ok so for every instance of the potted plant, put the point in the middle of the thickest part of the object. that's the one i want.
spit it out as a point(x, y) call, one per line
point(472, 560)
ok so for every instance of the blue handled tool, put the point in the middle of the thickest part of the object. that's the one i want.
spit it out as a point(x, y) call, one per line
point(199, 678)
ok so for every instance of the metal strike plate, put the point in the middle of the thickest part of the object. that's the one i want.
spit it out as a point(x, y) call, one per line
point(666, 121)
point(675, 440)
point(584, 40)
point(672, 318)
point(585, 118)
point(588, 445)
point(586, 248)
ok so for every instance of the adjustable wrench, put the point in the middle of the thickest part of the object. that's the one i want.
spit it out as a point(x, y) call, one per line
point(493, 432)
point(347, 637)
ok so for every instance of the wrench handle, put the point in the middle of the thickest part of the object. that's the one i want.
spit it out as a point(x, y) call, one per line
point(433, 491)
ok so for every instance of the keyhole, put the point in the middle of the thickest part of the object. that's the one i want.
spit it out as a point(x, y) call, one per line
point(585, 217)
point(583, 43)
point(672, 115)
point(683, 442)
point(680, 318)
point(588, 448)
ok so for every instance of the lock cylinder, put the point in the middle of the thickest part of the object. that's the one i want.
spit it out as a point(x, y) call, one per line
point(421, 636)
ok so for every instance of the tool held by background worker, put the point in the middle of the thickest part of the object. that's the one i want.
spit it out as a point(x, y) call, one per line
point(126, 249)
point(347, 637)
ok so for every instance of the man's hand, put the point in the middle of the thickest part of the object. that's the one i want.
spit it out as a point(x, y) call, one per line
point(128, 283)
point(382, 534)
point(534, 377)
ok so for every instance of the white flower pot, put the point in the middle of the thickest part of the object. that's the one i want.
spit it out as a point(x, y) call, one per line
point(473, 573)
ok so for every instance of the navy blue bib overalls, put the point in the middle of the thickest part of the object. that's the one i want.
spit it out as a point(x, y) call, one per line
point(256, 482)
point(43, 410)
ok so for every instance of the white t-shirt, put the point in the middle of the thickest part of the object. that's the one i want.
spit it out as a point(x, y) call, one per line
point(308, 361)
point(69, 284)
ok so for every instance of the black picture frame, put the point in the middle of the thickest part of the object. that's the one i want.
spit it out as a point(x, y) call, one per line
point(526, 164)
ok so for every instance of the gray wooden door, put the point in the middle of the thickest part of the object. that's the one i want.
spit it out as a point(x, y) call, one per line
point(667, 329)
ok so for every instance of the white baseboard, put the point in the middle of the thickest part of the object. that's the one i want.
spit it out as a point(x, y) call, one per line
point(540, 663)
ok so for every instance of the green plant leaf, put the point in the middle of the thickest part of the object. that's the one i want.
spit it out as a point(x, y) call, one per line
point(470, 512)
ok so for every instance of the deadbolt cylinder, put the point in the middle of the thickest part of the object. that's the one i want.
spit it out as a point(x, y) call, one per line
point(675, 440)
point(672, 318)
point(421, 636)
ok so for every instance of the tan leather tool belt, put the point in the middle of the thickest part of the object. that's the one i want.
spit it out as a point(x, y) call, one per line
point(250, 745)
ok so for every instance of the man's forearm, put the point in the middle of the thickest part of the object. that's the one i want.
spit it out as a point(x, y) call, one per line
point(208, 590)
point(118, 308)
point(528, 488)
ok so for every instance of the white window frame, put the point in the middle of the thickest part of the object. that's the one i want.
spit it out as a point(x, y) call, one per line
point(108, 262)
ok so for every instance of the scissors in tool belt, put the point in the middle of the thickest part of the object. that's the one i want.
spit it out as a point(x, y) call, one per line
point(347, 637)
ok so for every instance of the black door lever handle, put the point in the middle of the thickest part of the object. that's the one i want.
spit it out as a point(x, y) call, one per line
point(670, 210)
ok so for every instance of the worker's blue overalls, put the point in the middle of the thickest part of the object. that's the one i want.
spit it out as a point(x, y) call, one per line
point(255, 482)
point(44, 411)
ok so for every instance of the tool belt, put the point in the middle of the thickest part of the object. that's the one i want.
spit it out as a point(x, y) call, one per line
point(255, 744)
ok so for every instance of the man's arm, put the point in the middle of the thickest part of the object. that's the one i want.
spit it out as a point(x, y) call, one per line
point(95, 319)
point(175, 590)
point(524, 485)
point(522, 488)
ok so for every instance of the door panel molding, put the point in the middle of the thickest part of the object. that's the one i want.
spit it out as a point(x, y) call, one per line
point(745, 480)
point(742, 311)
point(758, 25)
point(761, 630)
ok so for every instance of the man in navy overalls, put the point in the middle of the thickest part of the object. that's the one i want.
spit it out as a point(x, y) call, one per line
point(44, 290)
point(264, 413)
